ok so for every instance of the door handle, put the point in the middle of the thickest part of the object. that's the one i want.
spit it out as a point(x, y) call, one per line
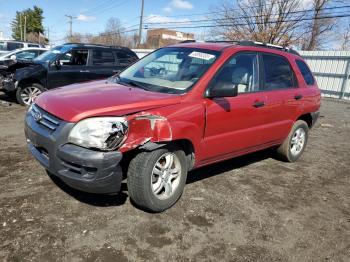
point(259, 104)
point(84, 71)
point(297, 97)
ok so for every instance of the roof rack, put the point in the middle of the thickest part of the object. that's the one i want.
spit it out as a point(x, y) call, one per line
point(96, 45)
point(251, 43)
point(268, 45)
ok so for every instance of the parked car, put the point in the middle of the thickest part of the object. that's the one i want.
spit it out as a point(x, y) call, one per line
point(179, 108)
point(23, 54)
point(10, 45)
point(67, 64)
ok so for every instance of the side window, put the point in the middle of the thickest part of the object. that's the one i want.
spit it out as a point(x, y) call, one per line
point(278, 72)
point(101, 57)
point(33, 45)
point(13, 46)
point(240, 71)
point(305, 71)
point(75, 58)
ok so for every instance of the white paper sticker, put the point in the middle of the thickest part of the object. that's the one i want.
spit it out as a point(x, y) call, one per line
point(201, 55)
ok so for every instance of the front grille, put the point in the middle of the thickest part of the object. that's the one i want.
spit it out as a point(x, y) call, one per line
point(44, 118)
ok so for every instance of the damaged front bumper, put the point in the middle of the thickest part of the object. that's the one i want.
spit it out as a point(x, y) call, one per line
point(81, 168)
point(9, 84)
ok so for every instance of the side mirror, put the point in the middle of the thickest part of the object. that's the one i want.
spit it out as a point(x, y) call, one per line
point(57, 64)
point(222, 91)
point(13, 57)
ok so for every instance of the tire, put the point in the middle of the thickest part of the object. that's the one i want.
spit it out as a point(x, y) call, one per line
point(295, 144)
point(25, 94)
point(146, 187)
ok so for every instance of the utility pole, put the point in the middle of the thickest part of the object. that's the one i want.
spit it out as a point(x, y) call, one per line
point(70, 17)
point(20, 26)
point(25, 29)
point(141, 21)
point(48, 35)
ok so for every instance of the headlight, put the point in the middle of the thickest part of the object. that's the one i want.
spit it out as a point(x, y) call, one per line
point(105, 133)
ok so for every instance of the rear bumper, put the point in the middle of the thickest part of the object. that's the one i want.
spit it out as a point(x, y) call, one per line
point(81, 168)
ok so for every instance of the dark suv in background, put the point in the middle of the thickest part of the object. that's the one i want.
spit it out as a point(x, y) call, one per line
point(66, 64)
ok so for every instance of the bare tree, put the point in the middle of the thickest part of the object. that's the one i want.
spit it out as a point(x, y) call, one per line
point(345, 39)
point(270, 21)
point(114, 34)
point(317, 29)
point(75, 38)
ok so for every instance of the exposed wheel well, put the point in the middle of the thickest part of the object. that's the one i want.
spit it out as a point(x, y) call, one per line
point(188, 148)
point(307, 118)
point(185, 144)
point(29, 81)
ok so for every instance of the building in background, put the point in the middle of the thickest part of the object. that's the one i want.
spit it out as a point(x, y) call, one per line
point(161, 37)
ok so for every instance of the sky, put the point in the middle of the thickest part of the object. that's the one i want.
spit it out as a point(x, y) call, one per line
point(92, 15)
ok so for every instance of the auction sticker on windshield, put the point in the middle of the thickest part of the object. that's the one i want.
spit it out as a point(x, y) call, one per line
point(201, 55)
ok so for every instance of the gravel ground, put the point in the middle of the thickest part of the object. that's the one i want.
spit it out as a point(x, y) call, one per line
point(252, 208)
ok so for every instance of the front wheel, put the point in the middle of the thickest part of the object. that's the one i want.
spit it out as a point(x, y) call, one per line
point(294, 145)
point(156, 179)
point(25, 95)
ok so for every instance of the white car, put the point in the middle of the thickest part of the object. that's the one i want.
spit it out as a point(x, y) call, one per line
point(23, 53)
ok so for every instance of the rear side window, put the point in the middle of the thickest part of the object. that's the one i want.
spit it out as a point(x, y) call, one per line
point(278, 73)
point(101, 57)
point(305, 71)
point(33, 45)
point(125, 57)
point(13, 46)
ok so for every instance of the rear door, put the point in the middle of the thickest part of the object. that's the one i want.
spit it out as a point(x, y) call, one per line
point(72, 69)
point(282, 94)
point(103, 64)
point(124, 59)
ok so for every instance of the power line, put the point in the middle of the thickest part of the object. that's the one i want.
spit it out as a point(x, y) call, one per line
point(244, 17)
point(110, 5)
point(231, 9)
point(257, 23)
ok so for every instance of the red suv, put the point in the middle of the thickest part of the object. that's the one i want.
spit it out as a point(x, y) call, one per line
point(179, 108)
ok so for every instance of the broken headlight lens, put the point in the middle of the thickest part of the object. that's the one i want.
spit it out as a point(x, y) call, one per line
point(105, 133)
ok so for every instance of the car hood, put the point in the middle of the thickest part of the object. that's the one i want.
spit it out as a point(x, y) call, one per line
point(100, 98)
point(27, 69)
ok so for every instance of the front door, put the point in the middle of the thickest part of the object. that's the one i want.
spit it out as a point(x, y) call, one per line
point(103, 65)
point(69, 69)
point(234, 124)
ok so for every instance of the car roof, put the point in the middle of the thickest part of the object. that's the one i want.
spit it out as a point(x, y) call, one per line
point(220, 45)
point(85, 45)
point(26, 48)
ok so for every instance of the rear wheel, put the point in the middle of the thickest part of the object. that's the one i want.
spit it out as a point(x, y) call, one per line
point(156, 179)
point(294, 145)
point(25, 95)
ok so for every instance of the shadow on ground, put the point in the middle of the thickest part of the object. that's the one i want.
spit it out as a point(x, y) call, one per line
point(193, 177)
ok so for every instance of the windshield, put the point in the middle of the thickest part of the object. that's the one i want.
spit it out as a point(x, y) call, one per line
point(53, 53)
point(169, 70)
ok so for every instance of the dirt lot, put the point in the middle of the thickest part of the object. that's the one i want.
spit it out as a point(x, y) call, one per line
point(253, 208)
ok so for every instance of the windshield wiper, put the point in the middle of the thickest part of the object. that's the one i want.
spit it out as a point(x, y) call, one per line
point(135, 84)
